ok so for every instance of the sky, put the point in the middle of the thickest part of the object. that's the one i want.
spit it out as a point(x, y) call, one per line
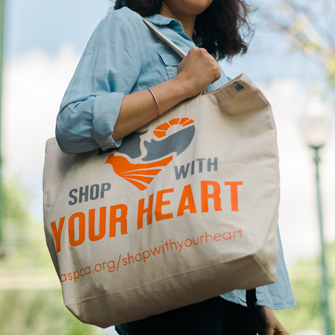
point(44, 41)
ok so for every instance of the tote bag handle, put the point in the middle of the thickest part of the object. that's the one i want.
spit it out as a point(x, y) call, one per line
point(166, 40)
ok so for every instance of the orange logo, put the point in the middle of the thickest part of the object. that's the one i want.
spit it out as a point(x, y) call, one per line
point(168, 138)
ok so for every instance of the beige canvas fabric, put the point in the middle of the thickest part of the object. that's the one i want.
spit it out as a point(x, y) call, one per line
point(185, 210)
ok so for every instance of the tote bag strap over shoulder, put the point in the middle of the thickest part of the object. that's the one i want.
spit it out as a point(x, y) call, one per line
point(166, 40)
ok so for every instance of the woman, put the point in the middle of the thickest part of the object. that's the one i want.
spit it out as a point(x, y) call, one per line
point(126, 78)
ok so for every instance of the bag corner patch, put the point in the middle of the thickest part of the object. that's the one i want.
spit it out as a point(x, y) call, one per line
point(238, 86)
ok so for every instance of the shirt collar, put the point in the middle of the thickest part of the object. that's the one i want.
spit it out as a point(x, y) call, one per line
point(160, 20)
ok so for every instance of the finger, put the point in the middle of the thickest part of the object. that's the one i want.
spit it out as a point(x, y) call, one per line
point(193, 50)
point(269, 331)
point(281, 331)
point(217, 77)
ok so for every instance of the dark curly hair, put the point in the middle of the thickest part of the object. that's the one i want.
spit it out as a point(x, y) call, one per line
point(223, 29)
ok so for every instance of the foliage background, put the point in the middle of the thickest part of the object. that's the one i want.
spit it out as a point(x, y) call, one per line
point(30, 296)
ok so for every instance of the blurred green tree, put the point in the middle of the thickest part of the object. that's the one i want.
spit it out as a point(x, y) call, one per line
point(306, 284)
point(35, 308)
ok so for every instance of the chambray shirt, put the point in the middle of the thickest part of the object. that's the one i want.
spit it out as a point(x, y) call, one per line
point(123, 56)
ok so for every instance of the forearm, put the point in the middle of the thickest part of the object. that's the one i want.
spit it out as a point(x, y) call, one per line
point(139, 108)
point(113, 116)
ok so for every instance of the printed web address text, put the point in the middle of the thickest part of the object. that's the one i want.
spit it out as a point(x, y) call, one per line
point(142, 257)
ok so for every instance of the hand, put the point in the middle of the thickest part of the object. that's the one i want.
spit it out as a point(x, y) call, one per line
point(197, 70)
point(268, 324)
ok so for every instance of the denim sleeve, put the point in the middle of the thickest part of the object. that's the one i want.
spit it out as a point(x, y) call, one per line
point(108, 69)
point(278, 295)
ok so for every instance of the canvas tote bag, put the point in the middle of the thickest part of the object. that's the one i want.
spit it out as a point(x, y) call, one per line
point(185, 210)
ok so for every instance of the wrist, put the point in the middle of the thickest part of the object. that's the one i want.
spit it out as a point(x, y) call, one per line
point(170, 93)
point(185, 90)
